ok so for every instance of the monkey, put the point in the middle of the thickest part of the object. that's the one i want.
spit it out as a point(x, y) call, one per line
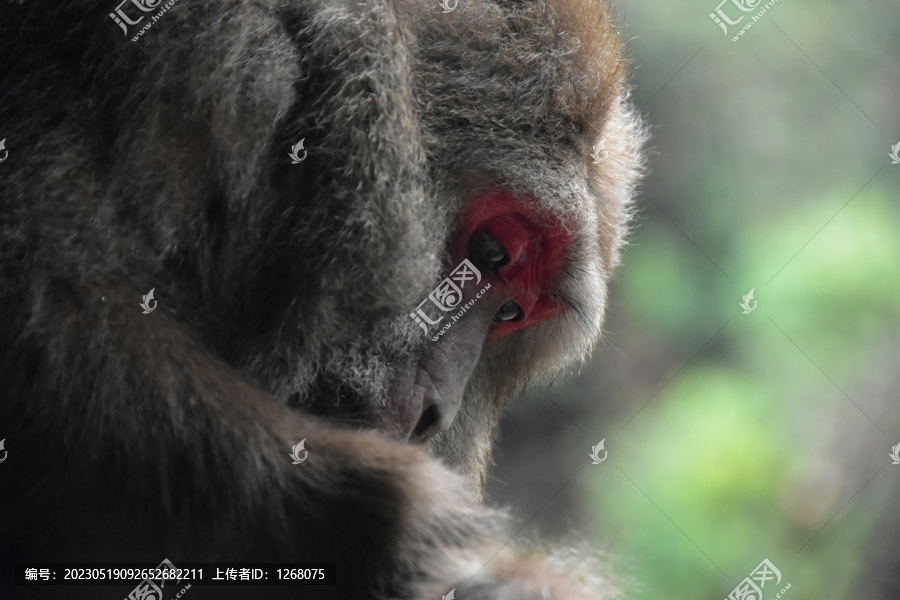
point(271, 269)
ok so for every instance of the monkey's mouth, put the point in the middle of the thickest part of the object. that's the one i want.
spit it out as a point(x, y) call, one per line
point(411, 412)
point(335, 402)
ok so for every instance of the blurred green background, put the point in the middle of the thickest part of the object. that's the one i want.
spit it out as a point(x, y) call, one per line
point(736, 437)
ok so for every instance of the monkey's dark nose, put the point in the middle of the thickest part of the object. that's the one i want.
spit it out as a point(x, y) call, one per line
point(438, 401)
point(420, 405)
point(430, 423)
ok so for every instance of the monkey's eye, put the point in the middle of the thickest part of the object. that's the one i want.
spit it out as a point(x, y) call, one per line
point(488, 251)
point(509, 312)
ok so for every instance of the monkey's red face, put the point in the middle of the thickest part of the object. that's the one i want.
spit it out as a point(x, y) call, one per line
point(520, 254)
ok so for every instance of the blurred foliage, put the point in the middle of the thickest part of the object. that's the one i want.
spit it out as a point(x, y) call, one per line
point(771, 172)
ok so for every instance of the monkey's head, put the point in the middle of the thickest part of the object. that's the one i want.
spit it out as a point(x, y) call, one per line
point(505, 139)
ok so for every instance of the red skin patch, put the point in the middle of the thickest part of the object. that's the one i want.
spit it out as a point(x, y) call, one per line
point(537, 245)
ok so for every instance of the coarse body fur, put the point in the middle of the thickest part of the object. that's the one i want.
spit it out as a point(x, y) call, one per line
point(284, 290)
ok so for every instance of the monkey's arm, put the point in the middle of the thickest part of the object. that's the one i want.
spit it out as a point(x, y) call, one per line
point(145, 446)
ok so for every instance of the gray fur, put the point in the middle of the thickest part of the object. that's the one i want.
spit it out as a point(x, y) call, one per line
point(284, 290)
